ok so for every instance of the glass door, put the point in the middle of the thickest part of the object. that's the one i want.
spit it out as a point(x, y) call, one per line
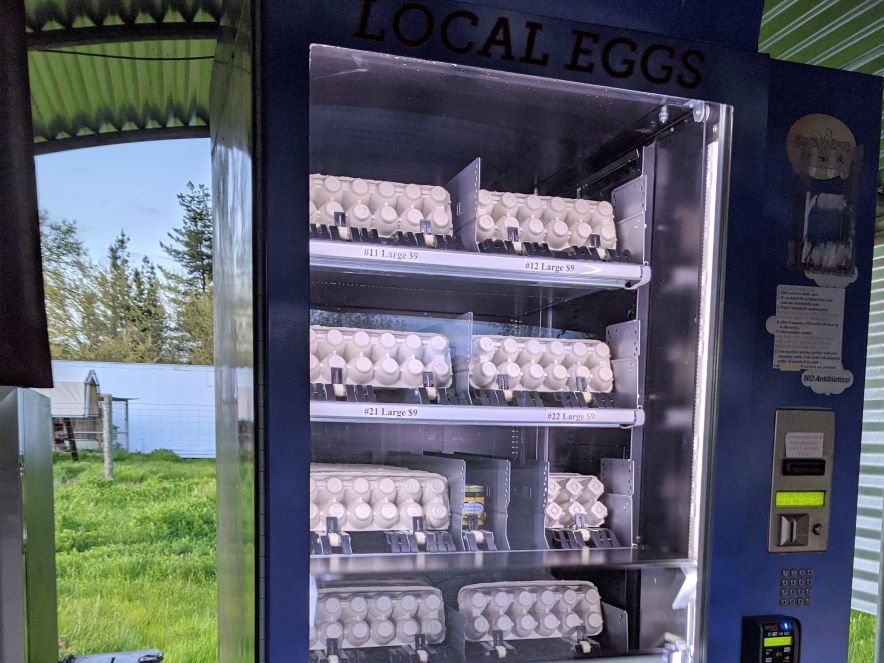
point(512, 296)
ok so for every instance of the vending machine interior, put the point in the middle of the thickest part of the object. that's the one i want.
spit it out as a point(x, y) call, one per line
point(490, 350)
point(509, 276)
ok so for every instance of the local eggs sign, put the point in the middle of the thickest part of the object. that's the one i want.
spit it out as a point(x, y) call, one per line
point(462, 31)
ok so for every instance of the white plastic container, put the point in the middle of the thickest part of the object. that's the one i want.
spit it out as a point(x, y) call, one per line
point(385, 220)
point(357, 192)
point(533, 376)
point(556, 377)
point(326, 213)
point(359, 371)
point(386, 349)
point(582, 358)
point(355, 626)
point(558, 236)
point(582, 218)
point(411, 197)
point(570, 495)
point(562, 606)
point(484, 227)
point(532, 230)
point(412, 372)
point(359, 216)
point(359, 516)
point(377, 497)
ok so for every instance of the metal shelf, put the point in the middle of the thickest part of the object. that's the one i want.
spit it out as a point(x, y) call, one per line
point(329, 567)
point(473, 415)
point(340, 256)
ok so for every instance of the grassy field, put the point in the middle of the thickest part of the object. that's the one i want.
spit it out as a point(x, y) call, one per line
point(862, 638)
point(136, 557)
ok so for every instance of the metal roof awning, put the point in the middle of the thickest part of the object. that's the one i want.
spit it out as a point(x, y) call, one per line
point(112, 71)
point(74, 400)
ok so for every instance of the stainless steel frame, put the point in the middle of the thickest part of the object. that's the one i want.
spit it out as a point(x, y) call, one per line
point(28, 621)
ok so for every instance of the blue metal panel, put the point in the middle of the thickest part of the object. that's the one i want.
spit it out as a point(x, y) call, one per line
point(734, 23)
point(282, 100)
point(744, 577)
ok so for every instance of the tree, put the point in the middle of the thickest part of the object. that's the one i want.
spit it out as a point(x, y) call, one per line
point(149, 315)
point(191, 245)
point(190, 290)
point(69, 285)
point(110, 312)
point(120, 311)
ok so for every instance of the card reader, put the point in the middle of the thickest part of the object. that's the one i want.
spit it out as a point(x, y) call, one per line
point(771, 639)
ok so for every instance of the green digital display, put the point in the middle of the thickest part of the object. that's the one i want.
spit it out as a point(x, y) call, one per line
point(801, 498)
point(781, 641)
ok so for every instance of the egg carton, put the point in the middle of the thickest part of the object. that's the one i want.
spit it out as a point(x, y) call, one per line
point(572, 495)
point(378, 616)
point(388, 207)
point(380, 358)
point(558, 222)
point(541, 364)
point(531, 610)
point(377, 498)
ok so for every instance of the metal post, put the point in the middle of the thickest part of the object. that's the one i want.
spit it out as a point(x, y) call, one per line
point(28, 604)
point(126, 422)
point(107, 434)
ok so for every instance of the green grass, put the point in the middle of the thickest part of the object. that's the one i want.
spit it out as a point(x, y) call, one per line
point(862, 638)
point(136, 556)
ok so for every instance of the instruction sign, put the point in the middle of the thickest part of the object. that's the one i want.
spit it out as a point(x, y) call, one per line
point(808, 328)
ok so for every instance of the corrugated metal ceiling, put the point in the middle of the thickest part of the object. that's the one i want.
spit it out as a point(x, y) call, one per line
point(109, 68)
point(109, 71)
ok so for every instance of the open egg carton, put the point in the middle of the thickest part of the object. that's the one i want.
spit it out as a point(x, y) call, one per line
point(382, 212)
point(378, 615)
point(347, 363)
point(542, 366)
point(546, 225)
point(531, 610)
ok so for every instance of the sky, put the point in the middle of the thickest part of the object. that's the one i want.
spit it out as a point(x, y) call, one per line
point(131, 187)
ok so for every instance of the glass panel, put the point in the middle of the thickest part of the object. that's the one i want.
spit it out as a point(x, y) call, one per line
point(503, 389)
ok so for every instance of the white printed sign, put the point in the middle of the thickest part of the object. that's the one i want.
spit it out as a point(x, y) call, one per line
point(386, 253)
point(807, 328)
point(570, 416)
point(804, 445)
point(827, 382)
point(390, 411)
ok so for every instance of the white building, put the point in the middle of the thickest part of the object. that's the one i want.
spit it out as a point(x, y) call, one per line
point(170, 406)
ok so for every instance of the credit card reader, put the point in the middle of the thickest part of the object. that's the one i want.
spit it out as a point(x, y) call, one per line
point(771, 639)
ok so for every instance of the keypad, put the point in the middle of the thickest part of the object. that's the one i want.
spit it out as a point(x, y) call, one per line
point(795, 587)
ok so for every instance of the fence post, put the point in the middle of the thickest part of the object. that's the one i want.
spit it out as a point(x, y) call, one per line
point(107, 434)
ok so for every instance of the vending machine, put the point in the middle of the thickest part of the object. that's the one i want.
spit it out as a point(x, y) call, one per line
point(539, 339)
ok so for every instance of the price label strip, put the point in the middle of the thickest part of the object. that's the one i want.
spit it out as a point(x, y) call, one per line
point(386, 253)
point(550, 267)
point(390, 412)
point(570, 416)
